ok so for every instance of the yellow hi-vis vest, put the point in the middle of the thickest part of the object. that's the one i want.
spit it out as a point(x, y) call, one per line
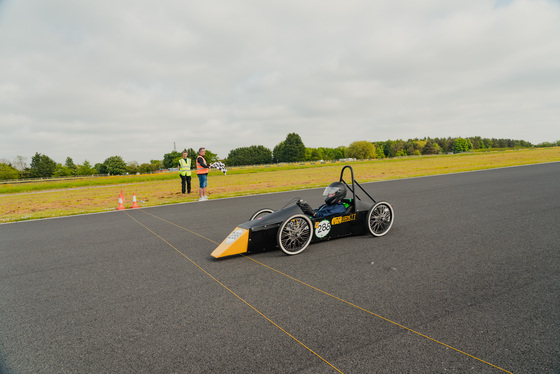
point(185, 168)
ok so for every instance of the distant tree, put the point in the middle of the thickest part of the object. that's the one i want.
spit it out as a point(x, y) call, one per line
point(394, 148)
point(277, 152)
point(156, 165)
point(477, 142)
point(253, 155)
point(192, 155)
point(418, 146)
point(171, 159)
point(7, 171)
point(446, 145)
point(290, 150)
point(361, 150)
point(338, 152)
point(132, 167)
point(115, 165)
point(431, 148)
point(146, 168)
point(70, 165)
point(524, 144)
point(323, 153)
point(100, 168)
point(413, 147)
point(548, 144)
point(499, 143)
point(85, 169)
point(42, 166)
point(210, 156)
point(487, 143)
point(379, 152)
point(380, 149)
point(510, 143)
point(462, 145)
point(26, 173)
point(312, 154)
point(63, 171)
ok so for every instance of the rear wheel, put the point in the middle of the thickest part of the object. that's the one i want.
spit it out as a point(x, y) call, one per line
point(261, 213)
point(380, 219)
point(294, 234)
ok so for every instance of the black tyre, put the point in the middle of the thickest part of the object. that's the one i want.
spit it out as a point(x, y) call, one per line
point(261, 213)
point(380, 218)
point(294, 234)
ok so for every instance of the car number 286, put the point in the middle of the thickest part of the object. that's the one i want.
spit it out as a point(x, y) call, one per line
point(322, 228)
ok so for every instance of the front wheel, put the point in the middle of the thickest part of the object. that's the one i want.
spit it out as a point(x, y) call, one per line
point(261, 213)
point(380, 219)
point(294, 234)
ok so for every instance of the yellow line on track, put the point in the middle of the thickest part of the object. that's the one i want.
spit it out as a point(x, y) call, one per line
point(224, 286)
point(330, 295)
point(377, 315)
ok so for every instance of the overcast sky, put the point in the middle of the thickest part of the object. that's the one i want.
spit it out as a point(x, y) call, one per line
point(94, 79)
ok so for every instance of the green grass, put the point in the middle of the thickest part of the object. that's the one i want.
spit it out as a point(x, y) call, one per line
point(68, 197)
point(53, 184)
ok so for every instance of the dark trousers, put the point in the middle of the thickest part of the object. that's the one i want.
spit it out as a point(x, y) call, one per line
point(185, 183)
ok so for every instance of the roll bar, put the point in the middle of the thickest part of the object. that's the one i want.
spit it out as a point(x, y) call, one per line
point(354, 183)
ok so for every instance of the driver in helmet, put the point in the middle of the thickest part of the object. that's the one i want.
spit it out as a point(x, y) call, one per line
point(333, 194)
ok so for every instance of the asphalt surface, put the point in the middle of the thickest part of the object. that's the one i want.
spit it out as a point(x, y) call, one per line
point(466, 281)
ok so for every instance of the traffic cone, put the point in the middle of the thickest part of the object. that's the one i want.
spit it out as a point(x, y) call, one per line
point(121, 205)
point(134, 203)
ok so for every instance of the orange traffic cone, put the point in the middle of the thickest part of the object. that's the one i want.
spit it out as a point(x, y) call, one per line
point(134, 203)
point(121, 205)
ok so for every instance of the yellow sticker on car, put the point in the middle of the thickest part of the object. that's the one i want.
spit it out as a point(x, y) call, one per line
point(342, 219)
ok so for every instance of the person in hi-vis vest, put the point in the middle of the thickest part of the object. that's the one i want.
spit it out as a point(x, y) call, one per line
point(185, 172)
point(202, 173)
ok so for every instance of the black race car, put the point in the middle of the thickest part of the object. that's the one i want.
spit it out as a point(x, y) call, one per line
point(292, 230)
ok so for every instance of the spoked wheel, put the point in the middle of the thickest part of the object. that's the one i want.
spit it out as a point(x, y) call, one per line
point(380, 219)
point(261, 213)
point(294, 234)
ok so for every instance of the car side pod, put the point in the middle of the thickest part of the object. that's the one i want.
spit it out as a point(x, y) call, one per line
point(237, 242)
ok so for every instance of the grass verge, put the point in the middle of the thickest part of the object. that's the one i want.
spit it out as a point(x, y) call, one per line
point(55, 199)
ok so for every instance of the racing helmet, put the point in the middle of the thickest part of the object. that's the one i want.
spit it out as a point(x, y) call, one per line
point(334, 192)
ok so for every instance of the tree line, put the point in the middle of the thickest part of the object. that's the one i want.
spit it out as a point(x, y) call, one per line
point(292, 149)
point(42, 166)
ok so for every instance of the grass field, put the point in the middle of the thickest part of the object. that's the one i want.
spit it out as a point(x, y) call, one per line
point(89, 195)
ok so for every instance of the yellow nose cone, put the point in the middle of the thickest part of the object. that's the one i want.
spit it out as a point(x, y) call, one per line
point(237, 242)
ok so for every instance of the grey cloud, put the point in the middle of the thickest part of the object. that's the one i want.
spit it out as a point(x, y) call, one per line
point(91, 80)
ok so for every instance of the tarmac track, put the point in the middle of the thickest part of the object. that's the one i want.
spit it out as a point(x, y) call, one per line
point(466, 281)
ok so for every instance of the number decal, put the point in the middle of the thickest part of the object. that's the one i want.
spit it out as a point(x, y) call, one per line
point(322, 228)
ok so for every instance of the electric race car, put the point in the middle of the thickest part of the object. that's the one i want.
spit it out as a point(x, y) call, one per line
point(292, 229)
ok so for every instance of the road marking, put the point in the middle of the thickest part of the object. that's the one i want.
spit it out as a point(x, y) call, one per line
point(224, 286)
point(376, 315)
point(325, 293)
